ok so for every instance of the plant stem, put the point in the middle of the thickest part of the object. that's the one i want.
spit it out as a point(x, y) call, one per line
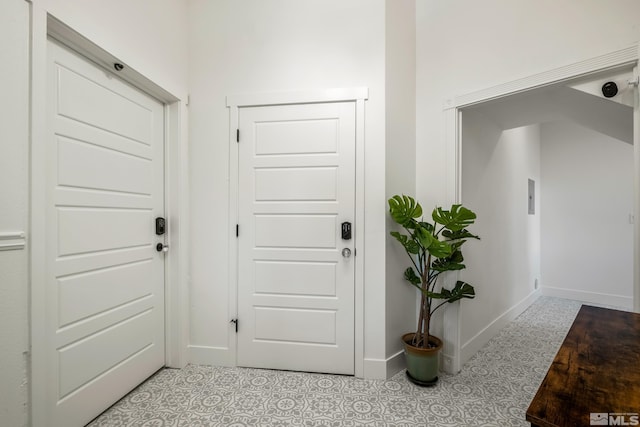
point(418, 335)
point(439, 305)
point(426, 308)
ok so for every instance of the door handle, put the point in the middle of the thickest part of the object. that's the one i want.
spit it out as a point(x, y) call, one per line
point(346, 252)
point(162, 247)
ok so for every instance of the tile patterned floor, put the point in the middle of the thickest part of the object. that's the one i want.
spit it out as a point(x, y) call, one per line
point(494, 389)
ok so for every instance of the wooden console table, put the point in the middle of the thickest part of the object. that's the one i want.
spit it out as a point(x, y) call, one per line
point(596, 370)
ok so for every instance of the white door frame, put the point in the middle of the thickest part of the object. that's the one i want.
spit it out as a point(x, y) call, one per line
point(176, 202)
point(234, 103)
point(452, 112)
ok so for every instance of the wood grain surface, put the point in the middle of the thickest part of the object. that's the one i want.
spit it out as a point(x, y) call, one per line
point(596, 370)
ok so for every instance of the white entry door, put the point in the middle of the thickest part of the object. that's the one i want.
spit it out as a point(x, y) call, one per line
point(104, 277)
point(295, 286)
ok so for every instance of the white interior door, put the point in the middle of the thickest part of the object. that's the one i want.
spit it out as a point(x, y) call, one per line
point(105, 280)
point(296, 188)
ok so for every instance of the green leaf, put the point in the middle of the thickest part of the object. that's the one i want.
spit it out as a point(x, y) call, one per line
point(409, 244)
point(460, 234)
point(440, 249)
point(428, 226)
point(450, 263)
point(411, 276)
point(459, 291)
point(456, 219)
point(404, 210)
point(431, 243)
point(424, 237)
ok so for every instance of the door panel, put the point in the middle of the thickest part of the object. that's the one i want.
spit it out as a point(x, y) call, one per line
point(90, 166)
point(105, 281)
point(83, 230)
point(295, 231)
point(296, 186)
point(91, 100)
point(283, 137)
point(294, 277)
point(126, 283)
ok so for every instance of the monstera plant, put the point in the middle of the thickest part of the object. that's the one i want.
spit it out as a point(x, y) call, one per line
point(434, 248)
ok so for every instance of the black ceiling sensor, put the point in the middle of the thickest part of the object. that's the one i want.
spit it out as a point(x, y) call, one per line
point(609, 89)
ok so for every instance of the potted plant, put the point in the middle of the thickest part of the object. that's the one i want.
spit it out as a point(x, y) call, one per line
point(434, 248)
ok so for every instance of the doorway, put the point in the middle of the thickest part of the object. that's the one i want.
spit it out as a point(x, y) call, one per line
point(610, 63)
point(296, 243)
point(296, 271)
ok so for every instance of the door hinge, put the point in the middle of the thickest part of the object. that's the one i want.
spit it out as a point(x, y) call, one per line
point(235, 322)
point(237, 230)
point(237, 135)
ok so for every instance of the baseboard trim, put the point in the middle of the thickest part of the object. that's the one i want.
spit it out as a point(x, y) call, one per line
point(472, 346)
point(395, 364)
point(382, 369)
point(595, 298)
point(210, 356)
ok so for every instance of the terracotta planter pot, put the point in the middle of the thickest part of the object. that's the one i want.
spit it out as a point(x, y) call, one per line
point(422, 363)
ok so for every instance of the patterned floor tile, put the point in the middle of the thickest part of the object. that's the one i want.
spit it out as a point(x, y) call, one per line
point(494, 389)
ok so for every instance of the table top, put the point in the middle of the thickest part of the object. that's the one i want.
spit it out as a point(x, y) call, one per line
point(596, 372)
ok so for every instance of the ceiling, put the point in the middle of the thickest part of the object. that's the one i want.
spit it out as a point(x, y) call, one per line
point(579, 101)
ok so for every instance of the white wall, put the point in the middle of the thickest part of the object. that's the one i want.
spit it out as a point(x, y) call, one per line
point(148, 35)
point(465, 45)
point(245, 46)
point(400, 80)
point(503, 265)
point(14, 140)
point(131, 31)
point(587, 197)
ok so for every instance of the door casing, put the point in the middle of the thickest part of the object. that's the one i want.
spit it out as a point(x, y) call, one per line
point(43, 26)
point(234, 103)
point(452, 121)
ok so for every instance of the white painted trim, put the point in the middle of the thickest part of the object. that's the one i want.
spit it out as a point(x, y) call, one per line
point(234, 219)
point(43, 25)
point(76, 41)
point(12, 240)
point(472, 346)
point(395, 363)
point(450, 354)
point(359, 240)
point(382, 369)
point(177, 212)
point(212, 356)
point(636, 189)
point(357, 95)
point(597, 298)
point(37, 253)
point(619, 58)
point(297, 97)
point(452, 109)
